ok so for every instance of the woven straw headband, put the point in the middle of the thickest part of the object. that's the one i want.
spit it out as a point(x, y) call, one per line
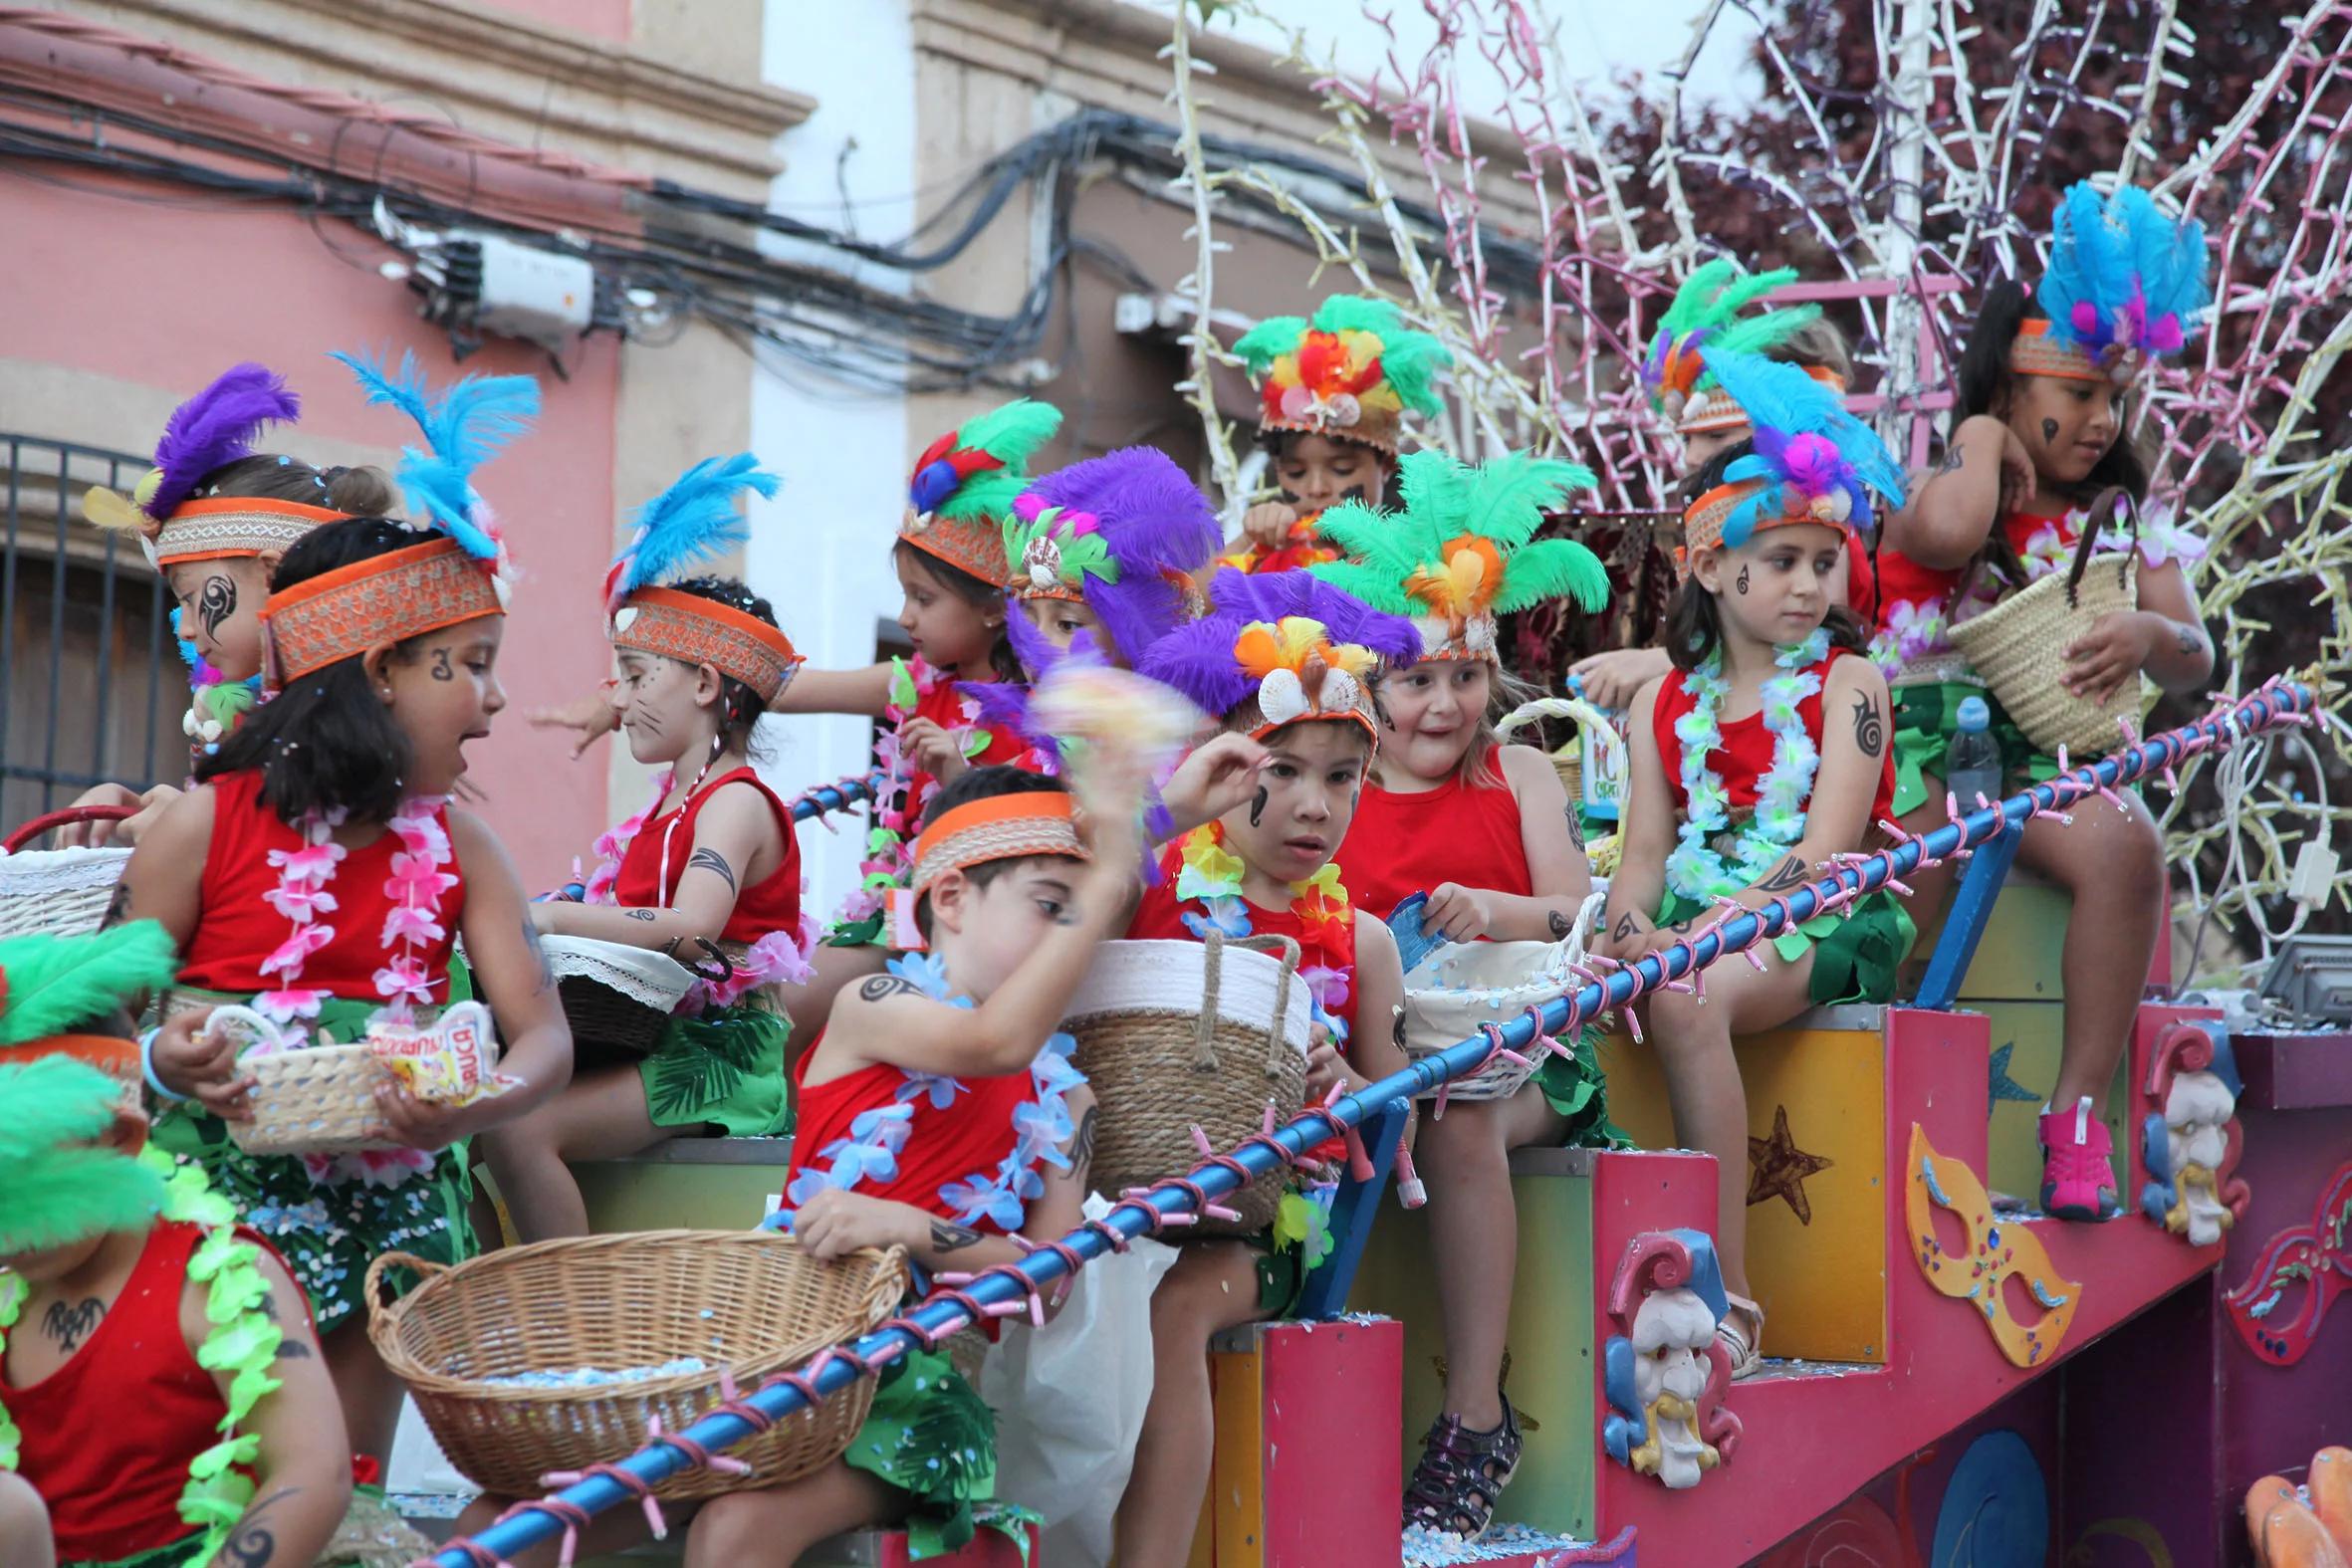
point(385, 598)
point(695, 630)
point(1715, 408)
point(1033, 822)
point(2034, 352)
point(1702, 525)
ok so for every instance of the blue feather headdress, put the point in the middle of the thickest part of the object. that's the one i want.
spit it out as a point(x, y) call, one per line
point(696, 520)
point(1812, 461)
point(2125, 283)
point(465, 425)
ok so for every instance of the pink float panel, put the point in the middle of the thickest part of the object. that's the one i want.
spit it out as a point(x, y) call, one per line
point(1816, 1438)
point(1330, 1499)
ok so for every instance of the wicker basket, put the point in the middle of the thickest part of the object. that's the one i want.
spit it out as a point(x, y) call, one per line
point(319, 1100)
point(1464, 985)
point(614, 994)
point(2019, 645)
point(1174, 1034)
point(749, 1300)
point(57, 892)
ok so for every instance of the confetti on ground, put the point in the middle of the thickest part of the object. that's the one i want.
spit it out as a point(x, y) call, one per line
point(1426, 1548)
point(598, 1377)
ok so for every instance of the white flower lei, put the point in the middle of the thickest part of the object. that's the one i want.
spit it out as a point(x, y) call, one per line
point(1699, 868)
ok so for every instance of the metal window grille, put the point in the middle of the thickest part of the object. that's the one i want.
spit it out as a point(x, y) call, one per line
point(91, 688)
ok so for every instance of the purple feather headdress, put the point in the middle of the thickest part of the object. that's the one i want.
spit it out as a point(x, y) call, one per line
point(1209, 661)
point(1122, 534)
point(216, 426)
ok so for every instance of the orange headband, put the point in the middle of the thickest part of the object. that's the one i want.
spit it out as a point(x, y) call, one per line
point(695, 630)
point(385, 598)
point(1715, 409)
point(972, 546)
point(236, 526)
point(1702, 525)
point(116, 1058)
point(1032, 822)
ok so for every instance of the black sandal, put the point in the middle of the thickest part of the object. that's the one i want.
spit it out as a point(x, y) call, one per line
point(1462, 1475)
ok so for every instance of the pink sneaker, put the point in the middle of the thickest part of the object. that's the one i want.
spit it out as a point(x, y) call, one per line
point(2078, 1165)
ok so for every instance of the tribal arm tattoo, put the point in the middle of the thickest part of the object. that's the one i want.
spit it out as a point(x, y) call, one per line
point(1575, 825)
point(711, 860)
point(546, 971)
point(117, 908)
point(946, 1238)
point(1790, 873)
point(1869, 728)
point(1082, 1145)
point(253, 1544)
point(289, 1348)
point(882, 987)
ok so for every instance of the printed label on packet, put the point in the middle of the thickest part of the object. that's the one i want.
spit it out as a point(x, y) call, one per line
point(445, 1064)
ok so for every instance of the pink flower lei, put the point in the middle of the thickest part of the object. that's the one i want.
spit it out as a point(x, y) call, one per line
point(889, 855)
point(612, 845)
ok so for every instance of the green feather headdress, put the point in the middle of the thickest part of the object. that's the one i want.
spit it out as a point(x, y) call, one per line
point(1460, 552)
point(56, 1184)
point(1706, 314)
point(1350, 372)
point(54, 983)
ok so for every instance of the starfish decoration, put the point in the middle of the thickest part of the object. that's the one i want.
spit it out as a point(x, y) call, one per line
point(1777, 1167)
point(2005, 1088)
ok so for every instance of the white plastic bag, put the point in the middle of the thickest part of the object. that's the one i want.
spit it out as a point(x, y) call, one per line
point(1069, 1399)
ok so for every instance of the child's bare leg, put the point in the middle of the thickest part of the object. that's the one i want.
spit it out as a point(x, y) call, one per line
point(1465, 1158)
point(1693, 1041)
point(811, 1005)
point(1213, 1286)
point(369, 1391)
point(599, 1116)
point(2113, 863)
point(24, 1525)
point(610, 1531)
point(770, 1528)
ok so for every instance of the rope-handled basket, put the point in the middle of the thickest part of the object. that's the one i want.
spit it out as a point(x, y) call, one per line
point(1464, 985)
point(1178, 1034)
point(2019, 645)
point(751, 1302)
point(614, 995)
point(59, 892)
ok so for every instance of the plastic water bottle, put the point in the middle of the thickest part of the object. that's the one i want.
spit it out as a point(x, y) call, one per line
point(1972, 764)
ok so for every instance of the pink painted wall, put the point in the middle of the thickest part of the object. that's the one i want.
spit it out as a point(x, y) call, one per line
point(609, 19)
point(170, 296)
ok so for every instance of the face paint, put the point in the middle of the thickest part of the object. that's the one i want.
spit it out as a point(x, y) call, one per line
point(1258, 805)
point(1741, 583)
point(218, 603)
point(2050, 431)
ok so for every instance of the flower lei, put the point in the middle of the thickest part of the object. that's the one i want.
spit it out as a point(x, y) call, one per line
point(243, 1341)
point(1039, 1126)
point(1212, 874)
point(414, 887)
point(1709, 863)
point(889, 855)
point(612, 844)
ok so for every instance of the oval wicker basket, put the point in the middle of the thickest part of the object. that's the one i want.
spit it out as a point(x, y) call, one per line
point(319, 1100)
point(1464, 985)
point(614, 994)
point(57, 892)
point(2018, 647)
point(1174, 1034)
point(747, 1300)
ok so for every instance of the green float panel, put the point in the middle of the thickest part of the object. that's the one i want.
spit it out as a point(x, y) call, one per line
point(2018, 957)
point(698, 1184)
point(1551, 1341)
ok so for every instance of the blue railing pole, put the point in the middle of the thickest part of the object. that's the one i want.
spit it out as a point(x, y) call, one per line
point(833, 797)
point(2276, 703)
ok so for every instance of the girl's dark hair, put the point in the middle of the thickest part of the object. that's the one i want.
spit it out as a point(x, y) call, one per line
point(1694, 629)
point(740, 706)
point(982, 595)
point(1985, 377)
point(325, 741)
point(1274, 443)
point(360, 492)
point(983, 784)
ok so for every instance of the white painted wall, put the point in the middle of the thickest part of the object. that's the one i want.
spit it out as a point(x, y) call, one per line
point(820, 551)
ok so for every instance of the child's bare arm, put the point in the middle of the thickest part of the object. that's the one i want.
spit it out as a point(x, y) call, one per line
point(865, 691)
point(305, 1457)
point(2164, 636)
point(1638, 890)
point(163, 879)
point(734, 846)
point(1952, 510)
point(1554, 843)
point(1857, 727)
point(1376, 1047)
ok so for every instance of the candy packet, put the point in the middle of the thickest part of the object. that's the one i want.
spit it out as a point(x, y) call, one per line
point(449, 1063)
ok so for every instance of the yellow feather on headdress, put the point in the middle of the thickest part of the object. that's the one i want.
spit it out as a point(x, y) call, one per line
point(1262, 649)
point(1468, 583)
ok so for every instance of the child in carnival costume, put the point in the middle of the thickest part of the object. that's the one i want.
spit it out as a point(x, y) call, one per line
point(2045, 407)
point(1487, 834)
point(1335, 391)
point(1288, 664)
point(317, 879)
point(174, 1400)
point(214, 516)
point(709, 872)
point(1759, 758)
point(939, 1113)
point(1110, 548)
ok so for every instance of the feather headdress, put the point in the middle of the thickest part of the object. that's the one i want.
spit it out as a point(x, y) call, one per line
point(461, 571)
point(1459, 554)
point(966, 481)
point(49, 984)
point(1301, 647)
point(2125, 284)
point(1122, 534)
point(63, 1184)
point(214, 428)
point(1704, 314)
point(1350, 372)
point(697, 520)
point(1812, 462)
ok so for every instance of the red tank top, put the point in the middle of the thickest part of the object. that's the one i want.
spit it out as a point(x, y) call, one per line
point(113, 1485)
point(1914, 602)
point(1746, 753)
point(770, 904)
point(963, 1141)
point(1329, 944)
point(236, 930)
point(954, 713)
point(1402, 844)
point(1861, 583)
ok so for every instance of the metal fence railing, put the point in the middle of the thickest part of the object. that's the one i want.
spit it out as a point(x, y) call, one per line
point(91, 688)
